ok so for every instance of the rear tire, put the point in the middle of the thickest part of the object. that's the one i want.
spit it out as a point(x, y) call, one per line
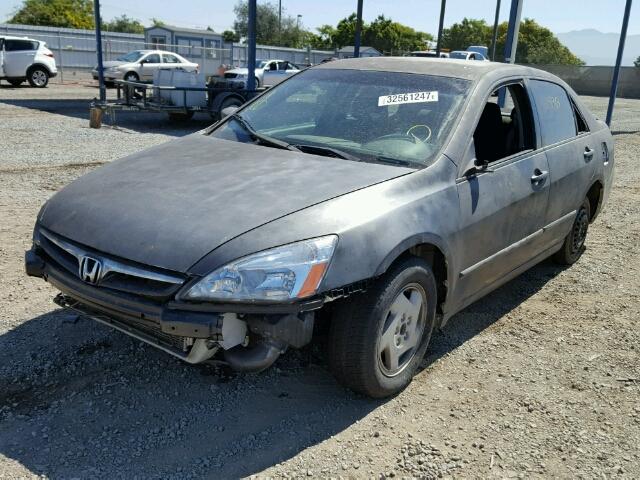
point(375, 346)
point(573, 246)
point(38, 77)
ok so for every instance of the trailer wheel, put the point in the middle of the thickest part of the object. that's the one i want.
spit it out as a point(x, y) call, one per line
point(179, 117)
point(229, 101)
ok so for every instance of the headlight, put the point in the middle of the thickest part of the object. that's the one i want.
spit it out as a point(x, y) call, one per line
point(284, 273)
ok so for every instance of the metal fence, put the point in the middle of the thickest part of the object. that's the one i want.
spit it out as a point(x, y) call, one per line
point(75, 50)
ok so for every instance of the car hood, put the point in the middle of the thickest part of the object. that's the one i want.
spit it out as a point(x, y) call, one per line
point(111, 63)
point(170, 205)
point(239, 71)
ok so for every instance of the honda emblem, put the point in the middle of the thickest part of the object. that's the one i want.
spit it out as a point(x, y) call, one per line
point(90, 269)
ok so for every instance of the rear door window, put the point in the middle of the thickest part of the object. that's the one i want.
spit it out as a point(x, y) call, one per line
point(555, 112)
point(168, 58)
point(20, 45)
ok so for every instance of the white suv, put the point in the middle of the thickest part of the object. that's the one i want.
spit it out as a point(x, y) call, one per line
point(23, 59)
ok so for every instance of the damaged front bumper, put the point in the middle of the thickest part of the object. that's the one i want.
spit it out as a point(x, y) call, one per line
point(252, 336)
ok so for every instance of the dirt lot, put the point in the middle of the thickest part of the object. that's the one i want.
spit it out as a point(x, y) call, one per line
point(540, 379)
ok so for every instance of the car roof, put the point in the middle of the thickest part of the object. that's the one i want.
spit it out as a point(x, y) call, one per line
point(11, 37)
point(445, 67)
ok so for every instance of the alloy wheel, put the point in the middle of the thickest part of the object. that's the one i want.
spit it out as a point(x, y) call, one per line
point(402, 331)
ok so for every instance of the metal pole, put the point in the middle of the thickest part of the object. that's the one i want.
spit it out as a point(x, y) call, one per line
point(443, 7)
point(495, 32)
point(512, 33)
point(60, 60)
point(280, 22)
point(511, 46)
point(356, 45)
point(251, 47)
point(616, 70)
point(98, 22)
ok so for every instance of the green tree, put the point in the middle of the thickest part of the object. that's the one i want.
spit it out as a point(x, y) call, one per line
point(230, 36)
point(123, 24)
point(637, 62)
point(156, 22)
point(393, 38)
point(55, 13)
point(468, 32)
point(536, 44)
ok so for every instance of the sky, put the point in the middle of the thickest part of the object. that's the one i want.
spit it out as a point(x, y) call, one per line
point(558, 15)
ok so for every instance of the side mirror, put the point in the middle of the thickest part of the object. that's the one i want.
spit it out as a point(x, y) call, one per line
point(230, 110)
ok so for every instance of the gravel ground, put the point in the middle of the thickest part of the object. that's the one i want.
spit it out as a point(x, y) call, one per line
point(538, 380)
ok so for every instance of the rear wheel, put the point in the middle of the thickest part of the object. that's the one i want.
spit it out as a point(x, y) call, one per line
point(38, 77)
point(16, 82)
point(378, 339)
point(573, 245)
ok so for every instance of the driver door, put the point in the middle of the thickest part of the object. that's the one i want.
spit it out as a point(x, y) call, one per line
point(148, 66)
point(503, 207)
point(271, 73)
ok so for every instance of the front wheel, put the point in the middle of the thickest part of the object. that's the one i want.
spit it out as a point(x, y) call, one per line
point(573, 245)
point(378, 338)
point(38, 77)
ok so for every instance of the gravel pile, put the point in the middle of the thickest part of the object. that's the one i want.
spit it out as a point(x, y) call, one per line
point(539, 380)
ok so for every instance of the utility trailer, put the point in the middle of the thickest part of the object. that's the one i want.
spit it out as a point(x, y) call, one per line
point(176, 101)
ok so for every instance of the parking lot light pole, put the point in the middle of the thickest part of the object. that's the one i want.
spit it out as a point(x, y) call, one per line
point(616, 70)
point(356, 44)
point(443, 7)
point(251, 47)
point(98, 22)
point(495, 32)
point(511, 46)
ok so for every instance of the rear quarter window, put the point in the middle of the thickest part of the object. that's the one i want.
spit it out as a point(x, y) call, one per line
point(20, 45)
point(555, 112)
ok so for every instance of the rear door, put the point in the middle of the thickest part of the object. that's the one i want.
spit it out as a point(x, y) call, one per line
point(571, 153)
point(170, 61)
point(503, 207)
point(18, 56)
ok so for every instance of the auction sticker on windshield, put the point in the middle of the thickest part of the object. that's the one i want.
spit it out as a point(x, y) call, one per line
point(412, 97)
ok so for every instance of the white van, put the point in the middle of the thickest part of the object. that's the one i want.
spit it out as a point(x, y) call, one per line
point(23, 59)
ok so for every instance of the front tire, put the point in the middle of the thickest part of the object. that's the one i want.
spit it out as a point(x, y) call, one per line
point(38, 77)
point(377, 339)
point(573, 245)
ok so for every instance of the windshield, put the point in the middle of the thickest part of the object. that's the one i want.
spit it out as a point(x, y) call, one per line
point(260, 63)
point(131, 57)
point(372, 116)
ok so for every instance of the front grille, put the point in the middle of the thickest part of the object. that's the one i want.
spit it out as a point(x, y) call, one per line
point(152, 333)
point(118, 275)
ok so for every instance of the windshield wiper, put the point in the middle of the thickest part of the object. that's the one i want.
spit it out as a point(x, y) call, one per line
point(326, 151)
point(273, 142)
point(398, 161)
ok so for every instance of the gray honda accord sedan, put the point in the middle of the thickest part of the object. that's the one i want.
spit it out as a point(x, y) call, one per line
point(369, 199)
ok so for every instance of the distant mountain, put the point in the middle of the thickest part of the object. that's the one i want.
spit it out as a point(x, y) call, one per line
point(598, 48)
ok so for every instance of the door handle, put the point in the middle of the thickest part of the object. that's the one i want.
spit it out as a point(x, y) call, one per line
point(588, 153)
point(539, 176)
